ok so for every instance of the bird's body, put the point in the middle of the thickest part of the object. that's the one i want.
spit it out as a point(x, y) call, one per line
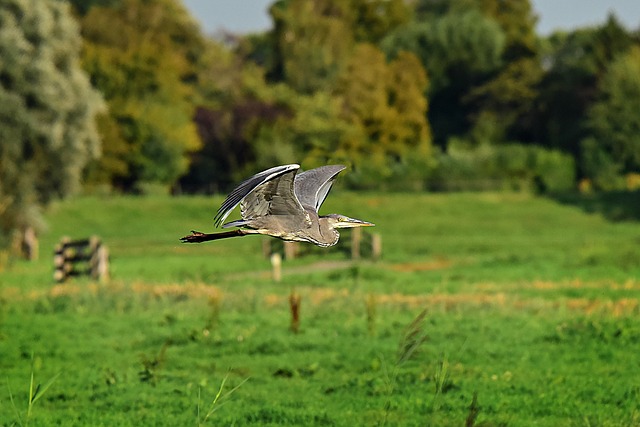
point(282, 203)
point(317, 231)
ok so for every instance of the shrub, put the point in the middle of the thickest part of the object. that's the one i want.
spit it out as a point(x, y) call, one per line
point(512, 166)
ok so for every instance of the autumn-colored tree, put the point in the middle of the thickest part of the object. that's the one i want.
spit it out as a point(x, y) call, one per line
point(83, 6)
point(312, 40)
point(517, 20)
point(311, 133)
point(47, 109)
point(143, 56)
point(372, 20)
point(386, 101)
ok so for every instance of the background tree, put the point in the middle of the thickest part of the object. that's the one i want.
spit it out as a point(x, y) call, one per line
point(372, 20)
point(81, 7)
point(613, 149)
point(316, 89)
point(143, 56)
point(311, 132)
point(386, 102)
point(517, 20)
point(47, 109)
point(507, 100)
point(312, 39)
point(235, 106)
point(575, 62)
point(459, 50)
point(229, 144)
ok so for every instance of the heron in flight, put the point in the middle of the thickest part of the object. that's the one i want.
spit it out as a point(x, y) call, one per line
point(282, 203)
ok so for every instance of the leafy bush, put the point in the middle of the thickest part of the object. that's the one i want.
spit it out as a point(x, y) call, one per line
point(502, 167)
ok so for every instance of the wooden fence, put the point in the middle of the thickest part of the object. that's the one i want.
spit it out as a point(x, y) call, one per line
point(81, 257)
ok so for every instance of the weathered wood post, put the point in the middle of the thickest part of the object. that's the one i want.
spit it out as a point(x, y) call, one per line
point(276, 267)
point(290, 250)
point(62, 268)
point(356, 238)
point(376, 246)
point(294, 307)
point(100, 264)
point(30, 245)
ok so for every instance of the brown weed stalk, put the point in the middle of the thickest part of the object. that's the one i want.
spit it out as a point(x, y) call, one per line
point(294, 307)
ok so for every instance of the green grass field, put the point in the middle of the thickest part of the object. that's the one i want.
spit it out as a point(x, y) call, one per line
point(485, 309)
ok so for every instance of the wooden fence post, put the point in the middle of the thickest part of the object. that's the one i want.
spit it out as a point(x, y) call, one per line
point(356, 238)
point(100, 264)
point(290, 250)
point(376, 246)
point(276, 266)
point(30, 246)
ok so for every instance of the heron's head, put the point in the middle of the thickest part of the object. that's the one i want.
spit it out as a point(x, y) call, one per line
point(341, 221)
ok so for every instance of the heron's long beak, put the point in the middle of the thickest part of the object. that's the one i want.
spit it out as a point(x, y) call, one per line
point(347, 222)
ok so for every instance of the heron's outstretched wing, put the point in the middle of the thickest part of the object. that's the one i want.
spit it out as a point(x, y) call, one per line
point(312, 186)
point(266, 193)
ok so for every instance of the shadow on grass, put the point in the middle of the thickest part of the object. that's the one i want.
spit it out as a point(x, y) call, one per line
point(613, 205)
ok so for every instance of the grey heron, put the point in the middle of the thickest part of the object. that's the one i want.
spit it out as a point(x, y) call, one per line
point(282, 203)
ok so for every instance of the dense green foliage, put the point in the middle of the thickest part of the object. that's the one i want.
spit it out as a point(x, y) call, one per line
point(614, 148)
point(531, 305)
point(503, 167)
point(459, 51)
point(142, 56)
point(314, 89)
point(47, 108)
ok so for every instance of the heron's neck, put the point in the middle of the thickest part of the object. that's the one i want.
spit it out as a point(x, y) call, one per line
point(327, 234)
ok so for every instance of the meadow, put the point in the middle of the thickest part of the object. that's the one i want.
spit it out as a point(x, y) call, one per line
point(488, 309)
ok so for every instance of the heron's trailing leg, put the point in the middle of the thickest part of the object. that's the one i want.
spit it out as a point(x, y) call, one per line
point(198, 237)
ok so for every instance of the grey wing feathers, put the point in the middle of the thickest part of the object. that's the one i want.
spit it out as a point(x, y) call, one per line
point(275, 197)
point(312, 186)
point(262, 185)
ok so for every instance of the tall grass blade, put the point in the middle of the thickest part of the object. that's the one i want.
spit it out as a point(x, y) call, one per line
point(36, 391)
point(13, 405)
point(414, 336)
point(218, 400)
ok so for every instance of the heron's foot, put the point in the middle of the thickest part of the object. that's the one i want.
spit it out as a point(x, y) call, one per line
point(194, 237)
